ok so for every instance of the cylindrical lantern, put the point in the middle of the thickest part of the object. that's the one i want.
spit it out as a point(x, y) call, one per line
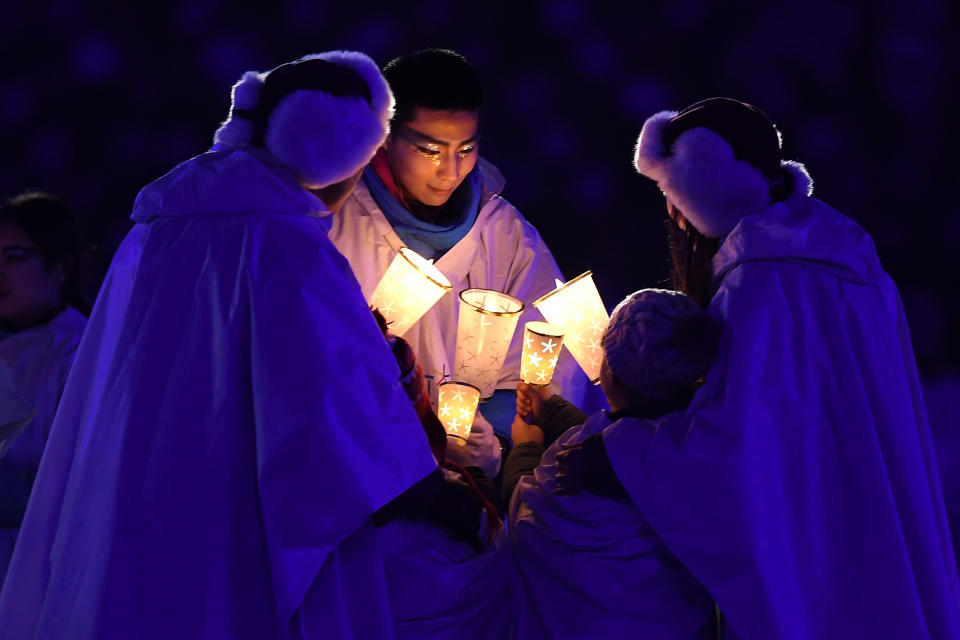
point(484, 331)
point(457, 406)
point(541, 347)
point(576, 308)
point(410, 286)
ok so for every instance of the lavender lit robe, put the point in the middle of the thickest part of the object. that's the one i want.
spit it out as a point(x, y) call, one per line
point(800, 487)
point(231, 422)
point(592, 567)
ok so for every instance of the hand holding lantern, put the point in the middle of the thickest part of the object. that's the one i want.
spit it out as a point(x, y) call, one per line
point(541, 349)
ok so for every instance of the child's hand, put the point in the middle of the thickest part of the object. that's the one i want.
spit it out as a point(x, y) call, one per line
point(530, 399)
point(521, 432)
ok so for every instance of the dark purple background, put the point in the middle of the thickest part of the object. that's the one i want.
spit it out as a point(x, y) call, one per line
point(97, 100)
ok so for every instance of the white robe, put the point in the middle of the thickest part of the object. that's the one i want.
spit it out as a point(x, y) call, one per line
point(592, 567)
point(39, 359)
point(232, 421)
point(502, 251)
point(801, 487)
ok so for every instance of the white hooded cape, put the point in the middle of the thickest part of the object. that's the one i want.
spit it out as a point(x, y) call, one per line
point(232, 420)
point(800, 487)
point(443, 589)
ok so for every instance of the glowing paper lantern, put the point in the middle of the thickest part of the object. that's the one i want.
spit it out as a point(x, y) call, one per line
point(577, 309)
point(484, 331)
point(410, 286)
point(541, 348)
point(457, 406)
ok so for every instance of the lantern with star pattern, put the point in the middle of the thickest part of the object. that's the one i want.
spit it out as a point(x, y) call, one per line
point(407, 290)
point(485, 328)
point(577, 309)
point(541, 348)
point(456, 408)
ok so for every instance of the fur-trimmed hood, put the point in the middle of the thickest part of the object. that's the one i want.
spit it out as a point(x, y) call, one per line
point(701, 176)
point(320, 137)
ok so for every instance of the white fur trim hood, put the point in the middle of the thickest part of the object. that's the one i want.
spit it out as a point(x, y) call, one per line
point(320, 138)
point(701, 176)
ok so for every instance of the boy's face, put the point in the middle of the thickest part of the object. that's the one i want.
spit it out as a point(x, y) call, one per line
point(431, 155)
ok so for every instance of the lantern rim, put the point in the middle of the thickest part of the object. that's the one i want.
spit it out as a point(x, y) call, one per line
point(462, 384)
point(559, 333)
point(488, 311)
point(566, 284)
point(403, 251)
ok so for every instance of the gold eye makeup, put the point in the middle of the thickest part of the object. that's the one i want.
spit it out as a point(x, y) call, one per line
point(431, 149)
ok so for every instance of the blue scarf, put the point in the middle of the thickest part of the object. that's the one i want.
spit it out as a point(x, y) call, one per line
point(429, 240)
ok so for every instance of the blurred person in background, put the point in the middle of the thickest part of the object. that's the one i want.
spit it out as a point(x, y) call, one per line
point(42, 317)
point(428, 189)
point(233, 420)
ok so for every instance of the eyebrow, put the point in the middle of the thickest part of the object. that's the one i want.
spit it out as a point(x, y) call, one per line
point(425, 139)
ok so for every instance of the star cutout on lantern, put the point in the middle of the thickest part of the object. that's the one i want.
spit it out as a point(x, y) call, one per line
point(465, 414)
point(444, 411)
point(577, 315)
point(527, 341)
point(458, 395)
point(535, 359)
point(388, 308)
point(574, 337)
point(594, 344)
point(454, 424)
point(552, 362)
point(548, 346)
point(541, 376)
point(598, 324)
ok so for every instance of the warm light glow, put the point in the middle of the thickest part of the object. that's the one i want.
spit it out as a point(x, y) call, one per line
point(577, 309)
point(485, 328)
point(541, 348)
point(410, 286)
point(457, 406)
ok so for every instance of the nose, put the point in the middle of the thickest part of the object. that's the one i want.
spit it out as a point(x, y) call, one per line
point(449, 167)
